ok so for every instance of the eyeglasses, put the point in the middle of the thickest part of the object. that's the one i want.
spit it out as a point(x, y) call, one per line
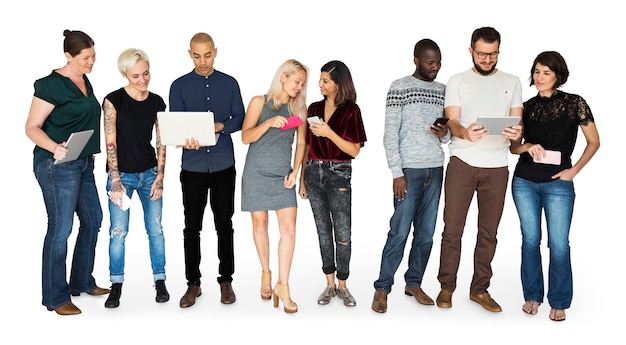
point(482, 55)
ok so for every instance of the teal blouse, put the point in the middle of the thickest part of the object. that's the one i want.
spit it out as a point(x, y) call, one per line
point(73, 112)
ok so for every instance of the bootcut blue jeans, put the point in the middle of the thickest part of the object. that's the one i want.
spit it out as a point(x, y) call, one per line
point(68, 189)
point(556, 199)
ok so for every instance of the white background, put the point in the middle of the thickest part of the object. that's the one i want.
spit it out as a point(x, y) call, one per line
point(375, 39)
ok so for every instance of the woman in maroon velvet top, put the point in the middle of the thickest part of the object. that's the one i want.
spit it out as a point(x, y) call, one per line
point(331, 145)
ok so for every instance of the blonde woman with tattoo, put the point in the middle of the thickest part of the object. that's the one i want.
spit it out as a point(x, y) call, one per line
point(130, 115)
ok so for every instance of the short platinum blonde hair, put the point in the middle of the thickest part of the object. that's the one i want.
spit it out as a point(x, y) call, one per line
point(129, 57)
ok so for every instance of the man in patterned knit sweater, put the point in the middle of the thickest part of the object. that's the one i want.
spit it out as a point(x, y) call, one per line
point(413, 146)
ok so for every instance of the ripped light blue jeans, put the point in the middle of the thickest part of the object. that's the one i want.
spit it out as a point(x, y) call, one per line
point(152, 212)
point(330, 195)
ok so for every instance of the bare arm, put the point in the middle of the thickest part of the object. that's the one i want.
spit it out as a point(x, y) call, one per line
point(298, 158)
point(593, 144)
point(39, 112)
point(302, 189)
point(157, 186)
point(110, 137)
point(251, 130)
point(472, 133)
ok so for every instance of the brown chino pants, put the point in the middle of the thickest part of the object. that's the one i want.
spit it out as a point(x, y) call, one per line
point(490, 185)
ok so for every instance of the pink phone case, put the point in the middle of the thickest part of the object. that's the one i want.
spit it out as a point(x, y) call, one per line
point(551, 157)
point(292, 121)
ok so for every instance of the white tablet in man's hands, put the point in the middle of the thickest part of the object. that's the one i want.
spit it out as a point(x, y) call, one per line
point(495, 125)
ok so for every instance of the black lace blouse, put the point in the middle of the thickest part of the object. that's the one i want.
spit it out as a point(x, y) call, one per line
point(553, 123)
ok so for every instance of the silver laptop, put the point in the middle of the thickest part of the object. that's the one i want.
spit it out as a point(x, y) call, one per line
point(176, 126)
point(75, 144)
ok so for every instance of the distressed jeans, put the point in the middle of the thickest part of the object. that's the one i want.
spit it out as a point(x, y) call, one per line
point(152, 213)
point(330, 194)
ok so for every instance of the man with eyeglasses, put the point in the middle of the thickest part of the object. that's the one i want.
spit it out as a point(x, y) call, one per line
point(478, 164)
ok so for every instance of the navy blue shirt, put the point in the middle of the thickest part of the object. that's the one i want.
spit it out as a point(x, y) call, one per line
point(220, 94)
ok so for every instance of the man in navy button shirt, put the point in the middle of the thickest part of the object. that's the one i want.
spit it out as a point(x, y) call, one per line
point(208, 169)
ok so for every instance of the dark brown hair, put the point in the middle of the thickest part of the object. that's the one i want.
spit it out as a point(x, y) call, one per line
point(340, 74)
point(556, 63)
point(75, 41)
point(487, 34)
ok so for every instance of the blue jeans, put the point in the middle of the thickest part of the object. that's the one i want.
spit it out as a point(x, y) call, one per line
point(152, 214)
point(419, 209)
point(556, 198)
point(330, 195)
point(68, 188)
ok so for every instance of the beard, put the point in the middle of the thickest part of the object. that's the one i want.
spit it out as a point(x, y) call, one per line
point(424, 74)
point(482, 71)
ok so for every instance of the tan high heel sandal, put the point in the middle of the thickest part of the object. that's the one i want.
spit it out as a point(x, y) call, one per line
point(282, 291)
point(266, 285)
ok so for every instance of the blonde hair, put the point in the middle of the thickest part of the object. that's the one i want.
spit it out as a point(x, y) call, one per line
point(129, 57)
point(297, 105)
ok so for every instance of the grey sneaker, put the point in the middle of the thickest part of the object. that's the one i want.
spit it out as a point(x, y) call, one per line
point(328, 293)
point(346, 296)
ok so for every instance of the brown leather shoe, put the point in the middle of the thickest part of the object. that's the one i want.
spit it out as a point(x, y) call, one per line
point(379, 304)
point(228, 295)
point(97, 291)
point(486, 301)
point(67, 309)
point(444, 299)
point(189, 298)
point(419, 295)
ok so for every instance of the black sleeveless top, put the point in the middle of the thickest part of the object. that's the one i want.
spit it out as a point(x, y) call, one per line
point(134, 126)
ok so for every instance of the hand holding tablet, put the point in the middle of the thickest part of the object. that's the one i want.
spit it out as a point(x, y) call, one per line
point(495, 125)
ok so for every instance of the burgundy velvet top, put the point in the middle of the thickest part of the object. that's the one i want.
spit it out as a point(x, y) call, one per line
point(346, 121)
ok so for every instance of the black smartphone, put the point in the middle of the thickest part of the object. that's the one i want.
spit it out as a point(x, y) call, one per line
point(440, 120)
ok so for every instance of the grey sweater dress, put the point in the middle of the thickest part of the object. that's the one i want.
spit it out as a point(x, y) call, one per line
point(267, 163)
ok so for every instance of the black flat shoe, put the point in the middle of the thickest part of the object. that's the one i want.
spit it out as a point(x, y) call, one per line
point(113, 301)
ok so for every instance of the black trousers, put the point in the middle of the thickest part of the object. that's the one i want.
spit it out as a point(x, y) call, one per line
point(219, 189)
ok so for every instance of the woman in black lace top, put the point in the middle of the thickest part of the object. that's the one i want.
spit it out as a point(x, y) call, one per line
point(543, 179)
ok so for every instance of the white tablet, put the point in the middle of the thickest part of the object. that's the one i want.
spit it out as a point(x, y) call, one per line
point(75, 144)
point(176, 126)
point(495, 125)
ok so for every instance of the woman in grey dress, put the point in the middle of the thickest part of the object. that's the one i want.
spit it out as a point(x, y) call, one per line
point(269, 177)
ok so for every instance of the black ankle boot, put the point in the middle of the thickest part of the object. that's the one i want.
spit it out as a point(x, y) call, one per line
point(113, 301)
point(161, 291)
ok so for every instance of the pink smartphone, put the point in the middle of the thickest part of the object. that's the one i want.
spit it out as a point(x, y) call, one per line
point(292, 121)
point(551, 157)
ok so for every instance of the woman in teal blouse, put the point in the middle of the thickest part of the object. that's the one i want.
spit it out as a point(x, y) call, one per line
point(64, 103)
